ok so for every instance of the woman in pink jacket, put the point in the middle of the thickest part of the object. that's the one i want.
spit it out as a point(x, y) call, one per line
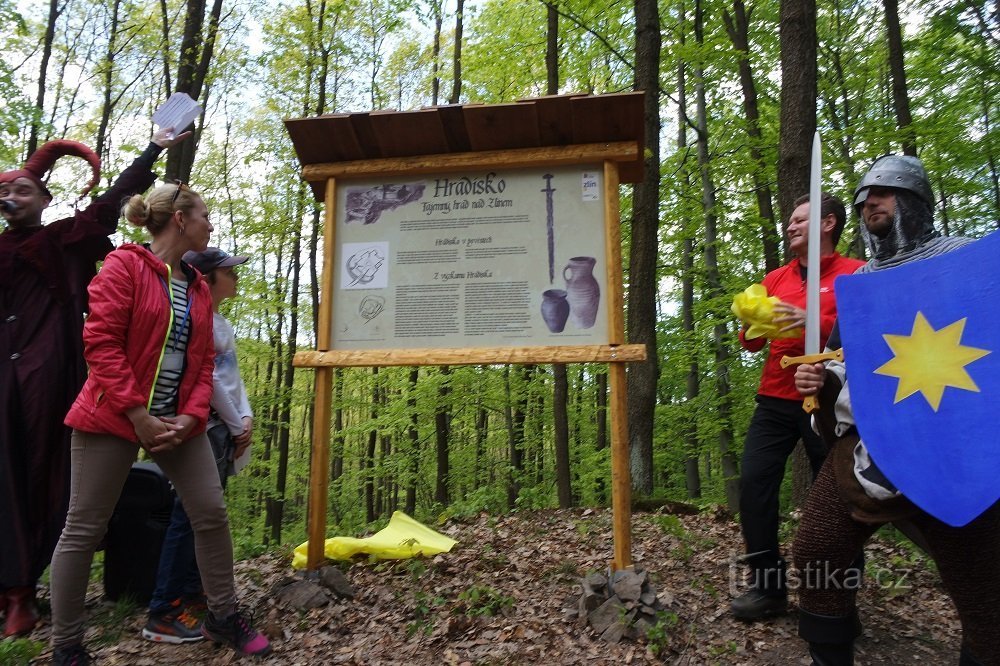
point(148, 344)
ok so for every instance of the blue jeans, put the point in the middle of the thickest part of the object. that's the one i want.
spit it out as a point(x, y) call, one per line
point(177, 574)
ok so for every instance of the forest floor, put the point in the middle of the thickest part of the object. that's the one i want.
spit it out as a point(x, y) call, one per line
point(525, 567)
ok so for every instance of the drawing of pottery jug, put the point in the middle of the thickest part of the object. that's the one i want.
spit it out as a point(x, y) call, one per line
point(582, 291)
point(555, 309)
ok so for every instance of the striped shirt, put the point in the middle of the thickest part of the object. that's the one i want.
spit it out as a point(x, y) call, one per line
point(168, 380)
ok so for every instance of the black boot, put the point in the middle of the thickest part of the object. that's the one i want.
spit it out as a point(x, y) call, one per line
point(767, 597)
point(832, 654)
point(757, 604)
point(831, 638)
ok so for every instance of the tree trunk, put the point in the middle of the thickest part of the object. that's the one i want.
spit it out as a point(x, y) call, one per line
point(601, 438)
point(337, 459)
point(900, 97)
point(692, 479)
point(798, 101)
point(285, 415)
point(798, 121)
point(515, 409)
point(107, 78)
point(368, 465)
point(196, 49)
point(991, 160)
point(436, 53)
point(560, 416)
point(552, 49)
point(730, 469)
point(414, 432)
point(643, 253)
point(738, 27)
point(442, 418)
point(50, 33)
point(456, 85)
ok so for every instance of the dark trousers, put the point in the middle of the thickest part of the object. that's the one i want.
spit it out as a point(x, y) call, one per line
point(777, 425)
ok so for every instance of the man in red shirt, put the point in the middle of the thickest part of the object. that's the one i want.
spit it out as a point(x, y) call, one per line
point(778, 421)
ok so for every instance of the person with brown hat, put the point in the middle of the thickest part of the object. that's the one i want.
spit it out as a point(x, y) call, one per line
point(44, 273)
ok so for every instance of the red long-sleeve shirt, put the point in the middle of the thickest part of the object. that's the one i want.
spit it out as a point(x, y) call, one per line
point(788, 285)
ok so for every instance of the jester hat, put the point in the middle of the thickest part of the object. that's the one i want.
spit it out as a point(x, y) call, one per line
point(42, 160)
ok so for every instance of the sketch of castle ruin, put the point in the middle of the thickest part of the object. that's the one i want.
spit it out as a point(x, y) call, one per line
point(367, 205)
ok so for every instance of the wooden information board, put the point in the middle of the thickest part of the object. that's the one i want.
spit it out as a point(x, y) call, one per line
point(465, 256)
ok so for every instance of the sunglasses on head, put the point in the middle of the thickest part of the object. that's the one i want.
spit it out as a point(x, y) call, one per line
point(180, 187)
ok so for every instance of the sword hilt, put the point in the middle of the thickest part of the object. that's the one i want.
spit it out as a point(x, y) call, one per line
point(835, 355)
point(810, 404)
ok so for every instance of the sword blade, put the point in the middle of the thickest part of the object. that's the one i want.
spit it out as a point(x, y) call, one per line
point(812, 270)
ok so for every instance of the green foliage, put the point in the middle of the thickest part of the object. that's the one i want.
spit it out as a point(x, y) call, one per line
point(19, 651)
point(658, 636)
point(423, 609)
point(671, 524)
point(480, 600)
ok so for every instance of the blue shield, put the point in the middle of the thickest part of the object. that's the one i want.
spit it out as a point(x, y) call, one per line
point(922, 349)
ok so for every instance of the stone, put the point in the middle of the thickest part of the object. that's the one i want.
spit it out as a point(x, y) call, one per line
point(303, 595)
point(613, 633)
point(589, 601)
point(334, 580)
point(606, 614)
point(596, 581)
point(629, 586)
point(648, 597)
point(640, 628)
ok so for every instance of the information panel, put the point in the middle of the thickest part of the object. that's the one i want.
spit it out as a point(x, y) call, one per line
point(471, 259)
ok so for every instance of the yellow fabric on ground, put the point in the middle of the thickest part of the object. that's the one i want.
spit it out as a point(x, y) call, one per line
point(402, 538)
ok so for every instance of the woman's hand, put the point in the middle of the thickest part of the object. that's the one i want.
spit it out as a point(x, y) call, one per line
point(149, 430)
point(809, 378)
point(243, 439)
point(179, 431)
point(164, 137)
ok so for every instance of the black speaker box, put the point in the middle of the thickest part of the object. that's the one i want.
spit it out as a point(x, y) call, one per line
point(135, 534)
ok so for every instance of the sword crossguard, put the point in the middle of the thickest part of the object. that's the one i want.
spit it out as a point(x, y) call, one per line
point(835, 355)
point(810, 404)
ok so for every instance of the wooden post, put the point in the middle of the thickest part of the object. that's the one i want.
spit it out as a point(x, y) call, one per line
point(319, 472)
point(621, 476)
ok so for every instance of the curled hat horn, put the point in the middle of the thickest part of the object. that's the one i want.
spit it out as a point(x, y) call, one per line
point(42, 160)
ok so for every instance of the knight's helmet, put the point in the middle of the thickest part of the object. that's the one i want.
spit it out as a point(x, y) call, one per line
point(902, 172)
point(913, 222)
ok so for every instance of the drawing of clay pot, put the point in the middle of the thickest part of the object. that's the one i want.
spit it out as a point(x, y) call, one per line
point(582, 291)
point(555, 309)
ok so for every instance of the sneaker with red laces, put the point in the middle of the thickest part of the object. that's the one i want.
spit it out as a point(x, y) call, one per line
point(175, 626)
point(236, 632)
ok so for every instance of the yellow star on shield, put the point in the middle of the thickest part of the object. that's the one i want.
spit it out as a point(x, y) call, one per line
point(927, 361)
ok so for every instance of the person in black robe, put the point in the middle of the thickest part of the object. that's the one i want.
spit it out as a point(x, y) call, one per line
point(44, 273)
